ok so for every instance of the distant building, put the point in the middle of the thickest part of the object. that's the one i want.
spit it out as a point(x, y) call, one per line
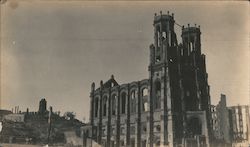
point(15, 117)
point(240, 125)
point(42, 114)
point(42, 106)
point(230, 125)
point(223, 120)
point(3, 113)
point(220, 123)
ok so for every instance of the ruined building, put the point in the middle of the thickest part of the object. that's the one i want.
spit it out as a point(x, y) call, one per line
point(240, 125)
point(230, 125)
point(170, 108)
point(221, 124)
point(223, 115)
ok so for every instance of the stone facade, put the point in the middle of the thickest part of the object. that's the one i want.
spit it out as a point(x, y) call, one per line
point(160, 110)
point(215, 122)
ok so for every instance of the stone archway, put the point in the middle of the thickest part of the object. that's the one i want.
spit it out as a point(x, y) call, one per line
point(194, 126)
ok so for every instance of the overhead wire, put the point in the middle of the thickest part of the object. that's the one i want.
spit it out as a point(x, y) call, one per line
point(178, 25)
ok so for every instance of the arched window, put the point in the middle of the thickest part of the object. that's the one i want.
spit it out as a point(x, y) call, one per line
point(194, 126)
point(191, 46)
point(145, 105)
point(158, 35)
point(113, 104)
point(133, 94)
point(157, 95)
point(133, 102)
point(144, 99)
point(96, 107)
point(123, 103)
point(145, 92)
point(105, 106)
point(164, 35)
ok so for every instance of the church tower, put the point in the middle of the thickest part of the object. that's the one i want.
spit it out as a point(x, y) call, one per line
point(195, 84)
point(191, 65)
point(162, 54)
point(179, 91)
point(164, 37)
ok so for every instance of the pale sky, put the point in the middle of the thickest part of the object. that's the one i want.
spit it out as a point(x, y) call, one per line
point(57, 49)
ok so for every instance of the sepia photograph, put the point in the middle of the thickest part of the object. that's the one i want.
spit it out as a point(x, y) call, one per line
point(77, 73)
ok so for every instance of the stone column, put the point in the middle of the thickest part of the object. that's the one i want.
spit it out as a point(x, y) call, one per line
point(169, 111)
point(151, 109)
point(138, 129)
point(148, 130)
point(109, 119)
point(99, 140)
point(91, 119)
point(128, 119)
point(118, 119)
point(162, 107)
